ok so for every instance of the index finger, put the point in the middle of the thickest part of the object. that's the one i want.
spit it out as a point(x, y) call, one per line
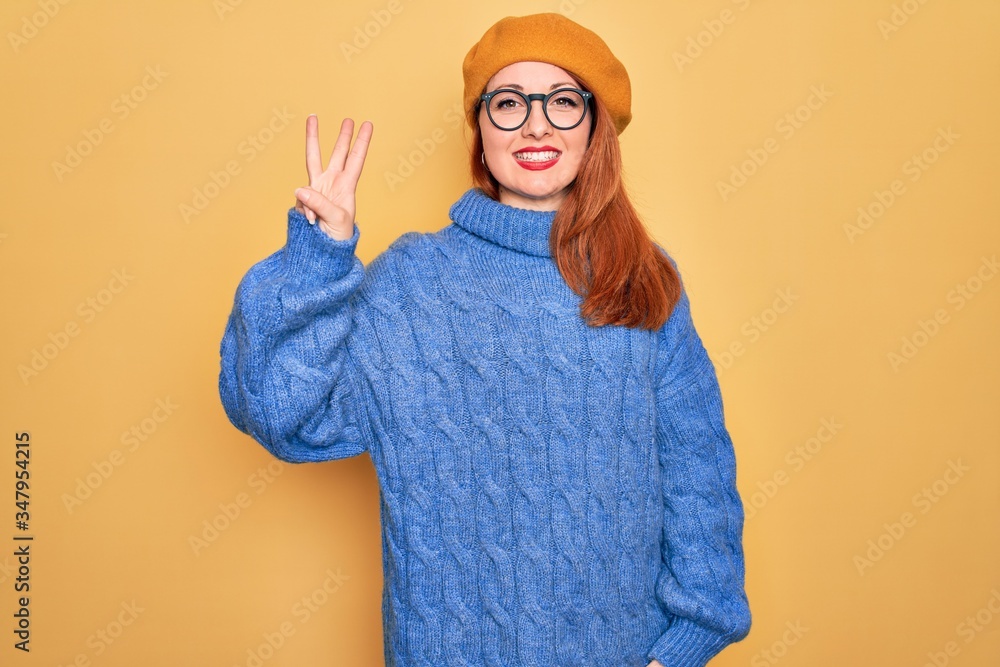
point(314, 165)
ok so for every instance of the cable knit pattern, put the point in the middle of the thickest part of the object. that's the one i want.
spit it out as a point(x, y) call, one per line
point(552, 494)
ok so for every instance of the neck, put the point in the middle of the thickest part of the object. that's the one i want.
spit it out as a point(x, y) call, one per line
point(504, 225)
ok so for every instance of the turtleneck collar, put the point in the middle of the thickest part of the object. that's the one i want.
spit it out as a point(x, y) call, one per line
point(515, 228)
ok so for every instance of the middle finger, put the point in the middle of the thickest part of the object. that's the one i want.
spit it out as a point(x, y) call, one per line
point(339, 155)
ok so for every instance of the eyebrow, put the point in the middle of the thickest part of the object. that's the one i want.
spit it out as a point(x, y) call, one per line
point(552, 87)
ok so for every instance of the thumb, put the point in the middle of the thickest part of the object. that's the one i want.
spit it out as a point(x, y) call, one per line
point(333, 219)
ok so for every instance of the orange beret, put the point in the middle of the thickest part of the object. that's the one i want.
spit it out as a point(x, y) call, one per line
point(549, 38)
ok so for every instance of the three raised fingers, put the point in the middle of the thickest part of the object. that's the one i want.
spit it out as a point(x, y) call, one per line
point(344, 159)
point(340, 159)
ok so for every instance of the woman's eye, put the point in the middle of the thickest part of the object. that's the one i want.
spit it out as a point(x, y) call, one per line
point(507, 103)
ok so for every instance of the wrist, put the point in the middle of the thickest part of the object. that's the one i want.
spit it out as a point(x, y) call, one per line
point(337, 233)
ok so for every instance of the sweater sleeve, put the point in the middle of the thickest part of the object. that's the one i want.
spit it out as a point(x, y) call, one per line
point(287, 378)
point(702, 577)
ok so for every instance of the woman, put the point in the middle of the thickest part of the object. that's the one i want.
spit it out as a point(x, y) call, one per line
point(557, 484)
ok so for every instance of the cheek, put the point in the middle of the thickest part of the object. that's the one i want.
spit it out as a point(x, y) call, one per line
point(494, 140)
point(579, 143)
point(491, 142)
point(496, 147)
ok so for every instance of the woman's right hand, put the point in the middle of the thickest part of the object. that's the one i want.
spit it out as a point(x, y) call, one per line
point(330, 196)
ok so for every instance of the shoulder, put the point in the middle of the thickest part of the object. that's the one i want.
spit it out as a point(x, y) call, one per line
point(680, 344)
point(408, 248)
point(406, 244)
point(670, 258)
point(680, 316)
point(411, 257)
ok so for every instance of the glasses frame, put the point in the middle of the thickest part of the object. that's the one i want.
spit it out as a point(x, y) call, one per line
point(531, 97)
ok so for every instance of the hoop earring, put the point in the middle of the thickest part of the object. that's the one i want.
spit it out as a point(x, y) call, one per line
point(482, 158)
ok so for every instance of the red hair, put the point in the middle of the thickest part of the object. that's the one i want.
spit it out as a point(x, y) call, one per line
point(598, 241)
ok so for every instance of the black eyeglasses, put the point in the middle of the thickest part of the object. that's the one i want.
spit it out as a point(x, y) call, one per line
point(565, 108)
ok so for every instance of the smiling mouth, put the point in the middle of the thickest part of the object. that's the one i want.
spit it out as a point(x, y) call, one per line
point(537, 156)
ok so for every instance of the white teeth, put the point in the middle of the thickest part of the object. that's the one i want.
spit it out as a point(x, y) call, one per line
point(532, 156)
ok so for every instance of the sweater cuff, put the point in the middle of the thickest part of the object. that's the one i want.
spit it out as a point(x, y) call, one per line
point(686, 644)
point(311, 256)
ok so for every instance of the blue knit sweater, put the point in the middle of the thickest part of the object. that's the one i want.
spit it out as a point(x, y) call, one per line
point(551, 493)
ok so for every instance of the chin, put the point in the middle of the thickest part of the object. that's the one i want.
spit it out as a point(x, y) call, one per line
point(535, 190)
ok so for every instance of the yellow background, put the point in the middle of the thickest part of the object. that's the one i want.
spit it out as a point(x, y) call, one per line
point(893, 76)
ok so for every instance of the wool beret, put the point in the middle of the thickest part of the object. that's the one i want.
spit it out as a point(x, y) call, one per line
point(549, 38)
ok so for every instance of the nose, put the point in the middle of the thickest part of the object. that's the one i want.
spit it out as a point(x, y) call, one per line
point(537, 124)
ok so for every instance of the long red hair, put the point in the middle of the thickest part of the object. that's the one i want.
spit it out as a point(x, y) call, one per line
point(598, 241)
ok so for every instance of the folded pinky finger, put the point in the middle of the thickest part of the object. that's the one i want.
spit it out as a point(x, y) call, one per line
point(302, 194)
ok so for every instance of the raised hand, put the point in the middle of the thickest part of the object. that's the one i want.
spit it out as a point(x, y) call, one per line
point(330, 196)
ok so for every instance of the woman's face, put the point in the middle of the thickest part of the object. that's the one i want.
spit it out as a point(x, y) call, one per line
point(524, 184)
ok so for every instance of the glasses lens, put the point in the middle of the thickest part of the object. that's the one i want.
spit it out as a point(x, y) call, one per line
point(507, 109)
point(566, 108)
